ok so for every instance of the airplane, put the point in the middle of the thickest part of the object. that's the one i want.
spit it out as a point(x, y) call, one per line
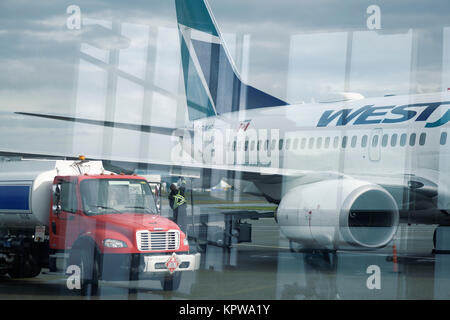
point(344, 172)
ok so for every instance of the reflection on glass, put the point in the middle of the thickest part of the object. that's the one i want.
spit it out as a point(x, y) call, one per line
point(306, 82)
point(69, 92)
point(381, 59)
point(133, 60)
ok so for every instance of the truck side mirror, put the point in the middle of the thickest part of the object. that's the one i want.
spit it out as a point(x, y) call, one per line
point(56, 209)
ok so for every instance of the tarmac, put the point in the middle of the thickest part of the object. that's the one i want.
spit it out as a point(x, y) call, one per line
point(266, 269)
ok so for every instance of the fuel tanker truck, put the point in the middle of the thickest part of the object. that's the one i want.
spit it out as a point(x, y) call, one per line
point(77, 217)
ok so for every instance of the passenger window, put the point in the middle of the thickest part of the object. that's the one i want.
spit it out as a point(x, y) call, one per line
point(384, 140)
point(234, 145)
point(280, 144)
point(412, 139)
point(422, 138)
point(353, 144)
point(252, 145)
point(272, 145)
point(394, 140)
point(258, 145)
point(403, 139)
point(295, 146)
point(327, 142)
point(266, 145)
point(344, 142)
point(374, 140)
point(246, 145)
point(303, 143)
point(288, 144)
point(336, 142)
point(319, 143)
point(311, 143)
point(364, 141)
point(443, 138)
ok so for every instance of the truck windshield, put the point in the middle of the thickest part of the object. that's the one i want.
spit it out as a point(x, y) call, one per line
point(106, 196)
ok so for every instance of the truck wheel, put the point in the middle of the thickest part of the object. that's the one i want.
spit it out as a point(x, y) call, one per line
point(171, 282)
point(87, 259)
point(29, 268)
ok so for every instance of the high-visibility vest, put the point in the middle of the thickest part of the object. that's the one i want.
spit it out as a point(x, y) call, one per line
point(178, 200)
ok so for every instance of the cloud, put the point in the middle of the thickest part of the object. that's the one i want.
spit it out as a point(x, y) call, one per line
point(40, 58)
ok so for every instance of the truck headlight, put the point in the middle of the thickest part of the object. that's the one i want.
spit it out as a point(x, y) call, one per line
point(113, 243)
point(186, 242)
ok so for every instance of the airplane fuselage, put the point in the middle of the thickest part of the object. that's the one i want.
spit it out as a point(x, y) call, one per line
point(392, 140)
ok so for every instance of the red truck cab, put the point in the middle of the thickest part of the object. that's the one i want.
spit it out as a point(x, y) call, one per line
point(109, 224)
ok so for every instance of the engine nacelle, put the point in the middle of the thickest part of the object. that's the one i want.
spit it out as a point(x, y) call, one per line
point(338, 214)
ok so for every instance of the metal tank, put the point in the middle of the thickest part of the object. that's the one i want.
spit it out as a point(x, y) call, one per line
point(26, 188)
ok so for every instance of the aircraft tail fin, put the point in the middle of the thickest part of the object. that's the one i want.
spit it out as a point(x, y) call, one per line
point(212, 84)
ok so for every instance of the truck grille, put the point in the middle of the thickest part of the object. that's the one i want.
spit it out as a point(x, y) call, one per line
point(158, 240)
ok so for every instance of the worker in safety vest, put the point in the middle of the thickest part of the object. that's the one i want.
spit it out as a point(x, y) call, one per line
point(177, 202)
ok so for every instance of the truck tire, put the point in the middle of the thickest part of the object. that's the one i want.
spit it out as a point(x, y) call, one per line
point(29, 268)
point(86, 257)
point(171, 282)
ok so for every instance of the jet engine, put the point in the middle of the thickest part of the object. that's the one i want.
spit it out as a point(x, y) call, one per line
point(338, 214)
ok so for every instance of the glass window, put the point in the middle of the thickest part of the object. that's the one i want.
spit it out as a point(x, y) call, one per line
point(412, 139)
point(364, 141)
point(327, 142)
point(68, 197)
point(375, 140)
point(130, 77)
point(422, 138)
point(107, 196)
point(394, 140)
point(443, 139)
point(344, 142)
point(319, 143)
point(336, 142)
point(403, 139)
point(353, 143)
point(384, 140)
point(303, 144)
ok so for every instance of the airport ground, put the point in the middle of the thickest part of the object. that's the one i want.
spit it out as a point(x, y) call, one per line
point(265, 268)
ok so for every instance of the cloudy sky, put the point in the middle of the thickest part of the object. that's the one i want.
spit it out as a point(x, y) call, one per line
point(124, 62)
point(295, 50)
